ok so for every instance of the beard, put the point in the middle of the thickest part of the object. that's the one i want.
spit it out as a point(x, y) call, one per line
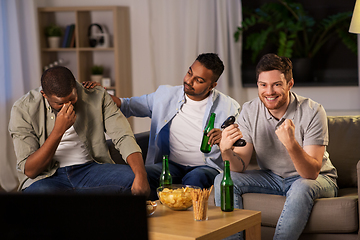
point(278, 102)
point(188, 89)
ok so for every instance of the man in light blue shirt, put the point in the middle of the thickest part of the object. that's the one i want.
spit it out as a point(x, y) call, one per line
point(179, 115)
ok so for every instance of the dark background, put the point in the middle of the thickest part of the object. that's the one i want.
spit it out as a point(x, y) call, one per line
point(334, 64)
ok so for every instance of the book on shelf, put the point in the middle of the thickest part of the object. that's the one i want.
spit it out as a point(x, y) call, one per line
point(69, 36)
point(66, 35)
point(72, 42)
point(71, 33)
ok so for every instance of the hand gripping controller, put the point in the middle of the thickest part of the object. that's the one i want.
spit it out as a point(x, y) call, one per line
point(230, 120)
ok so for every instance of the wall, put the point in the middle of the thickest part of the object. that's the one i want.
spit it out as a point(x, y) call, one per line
point(140, 41)
point(336, 100)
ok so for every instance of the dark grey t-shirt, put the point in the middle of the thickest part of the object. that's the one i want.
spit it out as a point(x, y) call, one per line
point(258, 127)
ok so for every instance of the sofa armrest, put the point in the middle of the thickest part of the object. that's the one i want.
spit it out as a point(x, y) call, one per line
point(142, 139)
point(358, 181)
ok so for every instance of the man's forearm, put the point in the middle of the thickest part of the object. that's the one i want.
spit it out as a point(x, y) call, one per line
point(307, 160)
point(140, 184)
point(136, 163)
point(237, 164)
point(306, 165)
point(37, 162)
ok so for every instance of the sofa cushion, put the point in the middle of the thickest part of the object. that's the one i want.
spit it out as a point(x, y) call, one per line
point(344, 150)
point(329, 215)
point(114, 153)
point(142, 139)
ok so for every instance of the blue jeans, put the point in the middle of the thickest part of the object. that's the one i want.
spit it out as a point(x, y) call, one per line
point(300, 195)
point(202, 176)
point(87, 178)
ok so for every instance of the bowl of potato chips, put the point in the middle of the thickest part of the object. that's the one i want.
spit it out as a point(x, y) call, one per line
point(177, 196)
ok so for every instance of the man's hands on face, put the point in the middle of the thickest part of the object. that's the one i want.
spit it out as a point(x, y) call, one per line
point(286, 132)
point(229, 136)
point(65, 118)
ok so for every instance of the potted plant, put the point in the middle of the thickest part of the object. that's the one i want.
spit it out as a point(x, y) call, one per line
point(287, 27)
point(97, 73)
point(53, 34)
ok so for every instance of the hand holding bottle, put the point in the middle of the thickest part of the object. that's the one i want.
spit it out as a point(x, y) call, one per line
point(214, 136)
point(205, 147)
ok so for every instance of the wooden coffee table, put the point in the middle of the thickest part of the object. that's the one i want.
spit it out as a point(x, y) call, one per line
point(168, 224)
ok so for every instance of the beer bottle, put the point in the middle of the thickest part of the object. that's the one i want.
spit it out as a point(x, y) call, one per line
point(227, 190)
point(165, 176)
point(205, 146)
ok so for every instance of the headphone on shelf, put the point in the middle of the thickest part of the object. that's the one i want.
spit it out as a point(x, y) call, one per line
point(95, 40)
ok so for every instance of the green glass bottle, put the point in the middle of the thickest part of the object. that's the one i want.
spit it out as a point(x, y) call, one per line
point(205, 146)
point(227, 190)
point(165, 176)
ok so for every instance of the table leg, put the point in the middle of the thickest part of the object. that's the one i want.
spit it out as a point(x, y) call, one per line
point(254, 232)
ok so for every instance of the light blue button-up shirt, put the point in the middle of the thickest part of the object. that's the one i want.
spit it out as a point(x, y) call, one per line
point(162, 106)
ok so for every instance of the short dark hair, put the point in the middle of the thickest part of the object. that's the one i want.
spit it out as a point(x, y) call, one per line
point(271, 62)
point(212, 62)
point(58, 81)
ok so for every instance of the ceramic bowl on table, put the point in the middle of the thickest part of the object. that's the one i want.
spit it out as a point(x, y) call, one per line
point(176, 197)
point(150, 207)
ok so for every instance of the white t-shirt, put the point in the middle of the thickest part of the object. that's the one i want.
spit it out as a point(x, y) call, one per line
point(186, 133)
point(71, 151)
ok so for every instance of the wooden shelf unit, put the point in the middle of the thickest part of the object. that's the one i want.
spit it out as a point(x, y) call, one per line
point(116, 59)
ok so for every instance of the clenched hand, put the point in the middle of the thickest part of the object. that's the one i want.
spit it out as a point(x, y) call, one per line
point(286, 132)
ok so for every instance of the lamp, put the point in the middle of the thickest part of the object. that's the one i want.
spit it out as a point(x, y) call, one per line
point(355, 21)
point(355, 28)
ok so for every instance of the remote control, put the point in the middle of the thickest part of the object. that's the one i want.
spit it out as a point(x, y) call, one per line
point(230, 120)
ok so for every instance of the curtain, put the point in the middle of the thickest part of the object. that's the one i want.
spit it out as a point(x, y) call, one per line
point(182, 29)
point(19, 60)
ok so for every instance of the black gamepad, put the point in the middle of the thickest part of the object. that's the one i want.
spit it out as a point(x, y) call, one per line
point(230, 120)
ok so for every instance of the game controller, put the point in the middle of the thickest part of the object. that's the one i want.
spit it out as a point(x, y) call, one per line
point(280, 122)
point(230, 120)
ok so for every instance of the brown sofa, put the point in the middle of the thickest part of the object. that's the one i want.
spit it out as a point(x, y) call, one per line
point(331, 218)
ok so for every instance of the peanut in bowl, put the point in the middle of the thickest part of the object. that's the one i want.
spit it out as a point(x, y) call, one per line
point(176, 197)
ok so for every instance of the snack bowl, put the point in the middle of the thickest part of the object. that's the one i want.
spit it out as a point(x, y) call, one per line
point(150, 207)
point(176, 197)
